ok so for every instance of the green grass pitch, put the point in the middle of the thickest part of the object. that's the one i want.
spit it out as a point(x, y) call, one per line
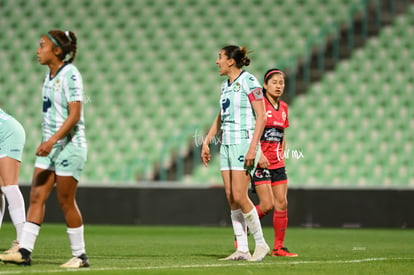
point(196, 250)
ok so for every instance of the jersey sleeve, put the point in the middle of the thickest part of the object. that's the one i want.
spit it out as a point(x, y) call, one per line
point(254, 89)
point(74, 87)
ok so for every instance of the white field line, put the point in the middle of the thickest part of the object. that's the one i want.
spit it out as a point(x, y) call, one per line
point(221, 264)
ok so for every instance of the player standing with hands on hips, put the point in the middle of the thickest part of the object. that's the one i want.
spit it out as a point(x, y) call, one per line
point(62, 154)
point(270, 179)
point(241, 119)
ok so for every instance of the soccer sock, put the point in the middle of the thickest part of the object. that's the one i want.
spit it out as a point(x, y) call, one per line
point(253, 223)
point(280, 221)
point(260, 212)
point(240, 230)
point(2, 209)
point(76, 239)
point(16, 207)
point(29, 235)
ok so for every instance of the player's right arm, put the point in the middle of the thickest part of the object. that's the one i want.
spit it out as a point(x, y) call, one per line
point(214, 129)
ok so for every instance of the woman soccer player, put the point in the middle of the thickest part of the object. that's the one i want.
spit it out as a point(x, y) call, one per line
point(241, 119)
point(61, 155)
point(12, 139)
point(270, 179)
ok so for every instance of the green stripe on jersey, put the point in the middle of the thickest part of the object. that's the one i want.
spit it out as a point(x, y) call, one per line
point(57, 92)
point(237, 115)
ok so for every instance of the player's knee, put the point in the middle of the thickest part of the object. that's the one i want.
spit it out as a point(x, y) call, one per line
point(281, 204)
point(266, 206)
point(37, 197)
point(239, 198)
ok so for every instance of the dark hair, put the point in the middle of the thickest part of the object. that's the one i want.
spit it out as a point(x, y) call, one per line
point(268, 75)
point(66, 41)
point(239, 54)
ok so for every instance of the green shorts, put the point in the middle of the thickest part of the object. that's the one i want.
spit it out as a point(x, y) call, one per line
point(232, 157)
point(67, 160)
point(12, 139)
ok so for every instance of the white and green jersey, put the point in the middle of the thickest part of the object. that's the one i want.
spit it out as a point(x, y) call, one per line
point(57, 92)
point(237, 115)
point(3, 116)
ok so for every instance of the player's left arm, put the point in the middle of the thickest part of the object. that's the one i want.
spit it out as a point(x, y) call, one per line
point(260, 111)
point(74, 116)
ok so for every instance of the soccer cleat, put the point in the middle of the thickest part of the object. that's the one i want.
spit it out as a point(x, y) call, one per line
point(20, 257)
point(259, 253)
point(13, 248)
point(238, 256)
point(283, 252)
point(77, 262)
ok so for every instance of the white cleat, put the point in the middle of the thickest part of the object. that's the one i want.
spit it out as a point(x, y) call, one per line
point(13, 248)
point(77, 262)
point(238, 256)
point(259, 253)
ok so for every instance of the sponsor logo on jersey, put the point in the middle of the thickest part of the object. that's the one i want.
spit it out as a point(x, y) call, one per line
point(269, 113)
point(46, 104)
point(225, 104)
point(272, 134)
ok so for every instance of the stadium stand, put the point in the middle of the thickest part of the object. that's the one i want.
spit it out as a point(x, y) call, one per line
point(149, 73)
point(353, 127)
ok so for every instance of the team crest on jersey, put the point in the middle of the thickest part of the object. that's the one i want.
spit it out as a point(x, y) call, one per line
point(237, 87)
point(284, 116)
point(56, 87)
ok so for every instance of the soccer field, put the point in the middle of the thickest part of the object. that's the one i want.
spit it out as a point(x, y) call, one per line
point(196, 250)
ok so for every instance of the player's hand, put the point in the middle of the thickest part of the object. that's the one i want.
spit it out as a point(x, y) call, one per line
point(263, 161)
point(205, 154)
point(249, 158)
point(44, 148)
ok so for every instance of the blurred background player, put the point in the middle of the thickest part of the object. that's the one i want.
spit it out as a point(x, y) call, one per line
point(241, 119)
point(270, 179)
point(12, 140)
point(62, 154)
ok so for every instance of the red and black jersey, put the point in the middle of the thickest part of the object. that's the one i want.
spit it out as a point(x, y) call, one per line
point(273, 134)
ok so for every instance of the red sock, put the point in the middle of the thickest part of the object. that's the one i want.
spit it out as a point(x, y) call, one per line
point(280, 221)
point(260, 212)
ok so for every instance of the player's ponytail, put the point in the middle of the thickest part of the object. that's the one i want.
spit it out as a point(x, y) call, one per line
point(239, 54)
point(66, 40)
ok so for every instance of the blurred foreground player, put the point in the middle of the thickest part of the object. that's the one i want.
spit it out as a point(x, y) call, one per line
point(12, 140)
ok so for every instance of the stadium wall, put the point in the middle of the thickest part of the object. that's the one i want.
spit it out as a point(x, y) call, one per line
point(149, 205)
